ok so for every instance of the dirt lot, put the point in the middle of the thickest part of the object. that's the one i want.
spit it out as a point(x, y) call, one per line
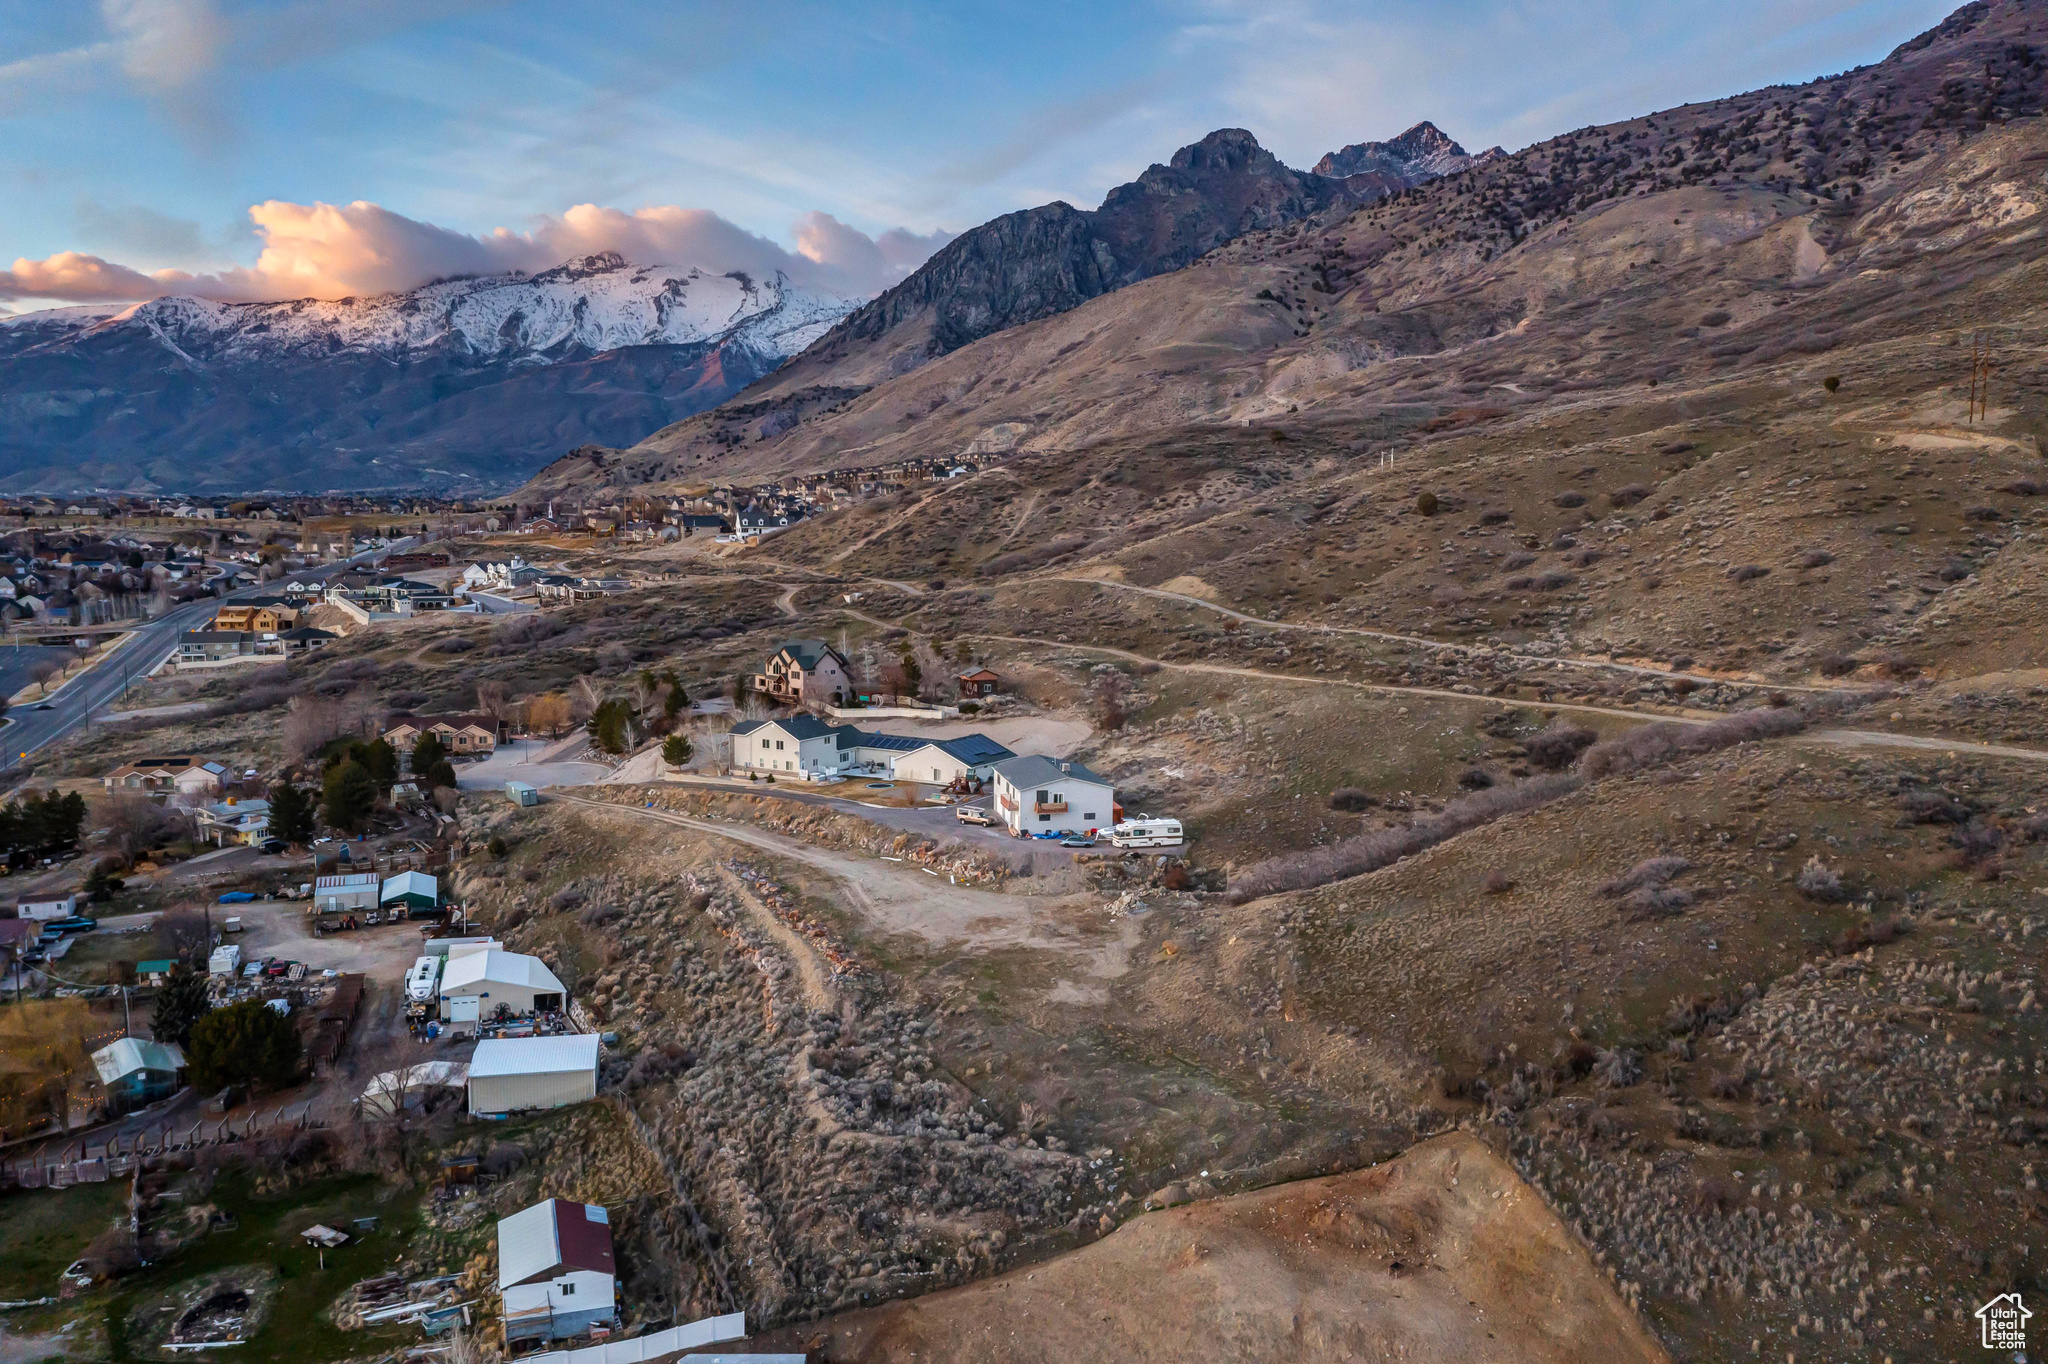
point(1441, 1255)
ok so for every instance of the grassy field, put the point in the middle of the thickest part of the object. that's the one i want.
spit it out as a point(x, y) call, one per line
point(42, 1231)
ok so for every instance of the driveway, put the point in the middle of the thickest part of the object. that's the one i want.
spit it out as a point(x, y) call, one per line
point(520, 760)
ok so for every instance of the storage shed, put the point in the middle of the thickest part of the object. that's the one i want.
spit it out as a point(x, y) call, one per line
point(417, 891)
point(512, 1073)
point(134, 1073)
point(556, 1272)
point(521, 793)
point(349, 893)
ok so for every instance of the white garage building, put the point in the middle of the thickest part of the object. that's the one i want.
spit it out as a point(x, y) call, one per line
point(476, 982)
point(511, 1073)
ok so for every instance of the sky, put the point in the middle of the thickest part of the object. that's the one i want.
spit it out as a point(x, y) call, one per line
point(244, 149)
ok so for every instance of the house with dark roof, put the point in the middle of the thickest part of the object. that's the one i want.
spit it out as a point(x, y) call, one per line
point(807, 747)
point(805, 672)
point(556, 1273)
point(1036, 795)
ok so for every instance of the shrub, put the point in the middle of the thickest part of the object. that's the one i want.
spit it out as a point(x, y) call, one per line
point(1832, 382)
point(497, 846)
point(1586, 558)
point(1426, 504)
point(1495, 517)
point(1661, 742)
point(1497, 883)
point(1475, 779)
point(1380, 847)
point(2021, 487)
point(1818, 881)
point(1628, 495)
point(1837, 665)
point(1744, 573)
point(1351, 799)
point(1569, 498)
point(452, 644)
point(1617, 1068)
point(1933, 807)
point(1977, 840)
point(1874, 934)
point(1648, 873)
point(970, 707)
point(1554, 581)
point(1983, 514)
point(1559, 746)
point(1716, 318)
point(1655, 902)
point(1519, 559)
point(1819, 558)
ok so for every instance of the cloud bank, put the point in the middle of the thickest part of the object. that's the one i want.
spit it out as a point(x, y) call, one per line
point(350, 250)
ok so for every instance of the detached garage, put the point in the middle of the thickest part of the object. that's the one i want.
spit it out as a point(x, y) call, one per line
point(512, 1073)
point(478, 983)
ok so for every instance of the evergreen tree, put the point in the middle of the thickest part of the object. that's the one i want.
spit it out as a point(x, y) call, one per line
point(428, 752)
point(248, 1043)
point(610, 725)
point(291, 814)
point(380, 760)
point(675, 750)
point(348, 796)
point(179, 1004)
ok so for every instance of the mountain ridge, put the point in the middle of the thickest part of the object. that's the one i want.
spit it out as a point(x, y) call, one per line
point(440, 384)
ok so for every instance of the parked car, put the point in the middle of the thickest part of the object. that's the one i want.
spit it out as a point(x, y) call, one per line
point(278, 968)
point(272, 846)
point(1077, 841)
point(77, 923)
point(970, 814)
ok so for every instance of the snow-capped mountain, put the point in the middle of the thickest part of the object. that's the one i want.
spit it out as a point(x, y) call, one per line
point(473, 379)
point(1424, 152)
point(599, 303)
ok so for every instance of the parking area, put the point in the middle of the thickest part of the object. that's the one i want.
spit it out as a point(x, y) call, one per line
point(518, 760)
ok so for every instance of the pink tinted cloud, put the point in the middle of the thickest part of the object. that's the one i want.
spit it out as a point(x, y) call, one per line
point(342, 250)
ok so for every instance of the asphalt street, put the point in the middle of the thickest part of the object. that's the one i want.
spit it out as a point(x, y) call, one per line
point(32, 727)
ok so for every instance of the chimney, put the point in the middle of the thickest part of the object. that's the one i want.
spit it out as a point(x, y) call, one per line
point(1066, 766)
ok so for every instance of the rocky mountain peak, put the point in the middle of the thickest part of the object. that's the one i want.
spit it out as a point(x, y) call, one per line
point(1228, 150)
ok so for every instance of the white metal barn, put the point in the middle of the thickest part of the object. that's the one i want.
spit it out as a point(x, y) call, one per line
point(511, 1073)
point(476, 982)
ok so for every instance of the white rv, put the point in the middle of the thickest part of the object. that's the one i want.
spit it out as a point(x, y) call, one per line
point(421, 981)
point(1146, 831)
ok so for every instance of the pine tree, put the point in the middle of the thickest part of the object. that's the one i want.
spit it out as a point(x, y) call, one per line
point(348, 796)
point(179, 1004)
point(248, 1043)
point(675, 750)
point(291, 814)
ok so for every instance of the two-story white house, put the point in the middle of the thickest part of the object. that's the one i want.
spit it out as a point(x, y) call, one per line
point(1036, 795)
point(801, 745)
point(556, 1275)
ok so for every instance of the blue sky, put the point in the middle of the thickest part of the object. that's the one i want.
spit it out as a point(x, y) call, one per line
point(140, 133)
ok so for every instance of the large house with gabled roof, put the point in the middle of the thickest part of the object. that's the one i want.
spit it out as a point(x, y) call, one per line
point(806, 747)
point(805, 672)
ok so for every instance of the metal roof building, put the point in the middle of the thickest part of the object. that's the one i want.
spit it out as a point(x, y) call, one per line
point(512, 1073)
point(478, 980)
point(556, 1270)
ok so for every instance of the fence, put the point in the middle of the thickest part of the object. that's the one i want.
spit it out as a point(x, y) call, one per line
point(95, 1162)
point(707, 1331)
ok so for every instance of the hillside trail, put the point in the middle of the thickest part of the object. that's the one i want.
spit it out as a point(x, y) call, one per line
point(816, 977)
point(1424, 642)
point(1833, 738)
point(786, 603)
point(896, 901)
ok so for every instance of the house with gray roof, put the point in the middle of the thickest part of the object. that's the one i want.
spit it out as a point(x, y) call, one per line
point(806, 671)
point(1037, 795)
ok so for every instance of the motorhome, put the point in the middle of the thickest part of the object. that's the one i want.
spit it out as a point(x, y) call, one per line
point(420, 982)
point(1146, 832)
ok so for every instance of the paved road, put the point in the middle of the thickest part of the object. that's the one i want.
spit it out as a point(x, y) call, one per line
point(140, 651)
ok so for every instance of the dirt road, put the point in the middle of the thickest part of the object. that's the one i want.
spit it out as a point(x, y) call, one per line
point(892, 898)
point(1442, 1256)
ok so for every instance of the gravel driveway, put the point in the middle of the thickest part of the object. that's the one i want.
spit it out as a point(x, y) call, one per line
point(514, 762)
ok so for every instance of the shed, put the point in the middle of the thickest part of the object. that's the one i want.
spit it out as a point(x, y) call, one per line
point(417, 891)
point(135, 1072)
point(348, 893)
point(512, 1073)
point(155, 971)
point(980, 682)
point(521, 793)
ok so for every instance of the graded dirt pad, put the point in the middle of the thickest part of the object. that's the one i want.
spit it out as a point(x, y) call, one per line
point(1441, 1255)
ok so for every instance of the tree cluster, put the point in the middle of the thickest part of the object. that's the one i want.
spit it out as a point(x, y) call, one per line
point(37, 826)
